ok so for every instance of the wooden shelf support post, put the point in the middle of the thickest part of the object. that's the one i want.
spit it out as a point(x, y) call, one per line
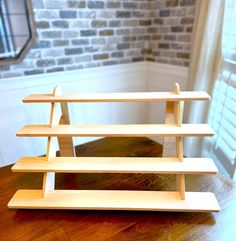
point(173, 146)
point(49, 177)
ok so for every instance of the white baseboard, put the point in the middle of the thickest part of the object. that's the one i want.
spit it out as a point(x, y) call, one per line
point(142, 76)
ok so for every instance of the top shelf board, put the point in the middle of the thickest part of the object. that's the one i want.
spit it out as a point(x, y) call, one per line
point(118, 97)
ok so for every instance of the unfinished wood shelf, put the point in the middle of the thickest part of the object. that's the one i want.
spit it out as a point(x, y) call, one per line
point(60, 129)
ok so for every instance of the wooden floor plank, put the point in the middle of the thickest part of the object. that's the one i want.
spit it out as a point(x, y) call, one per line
point(115, 200)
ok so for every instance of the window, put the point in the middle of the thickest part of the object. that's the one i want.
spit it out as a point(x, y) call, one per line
point(16, 30)
point(223, 110)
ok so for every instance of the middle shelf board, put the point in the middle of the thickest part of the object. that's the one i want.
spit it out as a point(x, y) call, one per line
point(134, 130)
point(116, 165)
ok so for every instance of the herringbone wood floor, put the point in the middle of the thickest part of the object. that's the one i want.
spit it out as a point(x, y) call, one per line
point(117, 225)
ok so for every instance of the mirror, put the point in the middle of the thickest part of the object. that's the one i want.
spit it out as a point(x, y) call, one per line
point(17, 34)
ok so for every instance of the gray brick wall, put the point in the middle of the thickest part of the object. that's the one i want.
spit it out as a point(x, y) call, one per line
point(76, 34)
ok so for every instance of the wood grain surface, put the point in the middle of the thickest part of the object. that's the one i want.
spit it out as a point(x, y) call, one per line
point(117, 225)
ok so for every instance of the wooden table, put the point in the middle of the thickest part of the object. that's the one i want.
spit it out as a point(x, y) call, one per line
point(117, 225)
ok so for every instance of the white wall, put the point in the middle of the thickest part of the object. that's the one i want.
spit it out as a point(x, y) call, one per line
point(143, 76)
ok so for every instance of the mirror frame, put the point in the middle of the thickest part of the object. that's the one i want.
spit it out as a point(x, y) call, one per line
point(31, 40)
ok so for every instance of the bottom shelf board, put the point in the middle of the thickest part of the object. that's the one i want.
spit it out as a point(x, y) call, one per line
point(115, 200)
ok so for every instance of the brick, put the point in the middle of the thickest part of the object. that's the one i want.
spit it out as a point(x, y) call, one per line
point(187, 2)
point(42, 24)
point(158, 21)
point(115, 23)
point(138, 14)
point(68, 14)
point(87, 33)
point(73, 51)
point(33, 72)
point(123, 14)
point(187, 20)
point(163, 46)
point(156, 53)
point(74, 67)
point(130, 5)
point(172, 3)
point(42, 44)
point(80, 23)
point(145, 5)
point(76, 4)
point(123, 46)
point(52, 52)
point(52, 4)
point(96, 4)
point(91, 49)
point(144, 37)
point(11, 74)
point(51, 34)
point(108, 47)
point(45, 62)
point(117, 54)
point(129, 38)
point(156, 37)
point(168, 54)
point(38, 4)
point(99, 24)
point(147, 22)
point(81, 42)
point(184, 38)
point(98, 41)
point(122, 31)
point(137, 59)
point(183, 55)
point(106, 14)
point(60, 42)
point(113, 4)
point(56, 69)
point(177, 46)
point(110, 62)
point(146, 51)
point(189, 29)
point(64, 61)
point(100, 56)
point(106, 32)
point(113, 40)
point(165, 13)
point(130, 23)
point(177, 29)
point(70, 34)
point(48, 14)
point(87, 14)
point(170, 37)
point(60, 24)
point(83, 58)
point(178, 12)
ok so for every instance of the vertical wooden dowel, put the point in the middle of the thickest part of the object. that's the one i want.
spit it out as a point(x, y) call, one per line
point(49, 177)
point(178, 112)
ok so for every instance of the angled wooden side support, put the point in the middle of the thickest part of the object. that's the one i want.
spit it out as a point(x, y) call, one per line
point(66, 145)
point(173, 146)
point(49, 177)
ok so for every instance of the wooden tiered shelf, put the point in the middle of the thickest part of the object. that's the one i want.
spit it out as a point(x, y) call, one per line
point(60, 129)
